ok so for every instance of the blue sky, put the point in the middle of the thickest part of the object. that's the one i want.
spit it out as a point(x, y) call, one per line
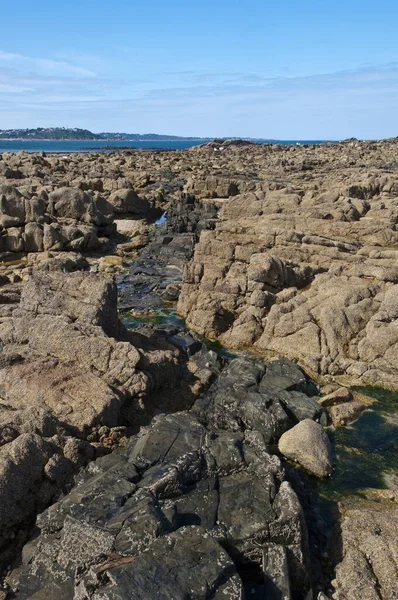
point(297, 69)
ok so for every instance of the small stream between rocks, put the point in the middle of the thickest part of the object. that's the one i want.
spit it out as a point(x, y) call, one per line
point(366, 451)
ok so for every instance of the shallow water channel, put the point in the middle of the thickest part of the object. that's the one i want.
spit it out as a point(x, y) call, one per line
point(366, 451)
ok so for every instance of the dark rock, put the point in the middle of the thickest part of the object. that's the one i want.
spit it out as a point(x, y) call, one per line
point(275, 565)
point(186, 343)
point(185, 564)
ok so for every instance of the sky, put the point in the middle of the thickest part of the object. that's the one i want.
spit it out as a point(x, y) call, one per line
point(297, 69)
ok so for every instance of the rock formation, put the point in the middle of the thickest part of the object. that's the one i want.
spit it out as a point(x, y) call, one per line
point(194, 505)
point(305, 268)
point(150, 461)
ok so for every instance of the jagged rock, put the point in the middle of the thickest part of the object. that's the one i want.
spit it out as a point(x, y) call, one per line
point(22, 482)
point(368, 567)
point(244, 394)
point(299, 262)
point(69, 219)
point(302, 266)
point(63, 371)
point(160, 492)
point(308, 444)
point(187, 563)
point(277, 580)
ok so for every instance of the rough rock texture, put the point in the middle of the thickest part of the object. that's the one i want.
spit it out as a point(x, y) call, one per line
point(67, 219)
point(221, 493)
point(64, 372)
point(308, 444)
point(369, 566)
point(347, 412)
point(126, 201)
point(297, 256)
point(304, 266)
point(338, 396)
point(60, 353)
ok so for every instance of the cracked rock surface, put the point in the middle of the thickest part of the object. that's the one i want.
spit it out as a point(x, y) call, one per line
point(188, 490)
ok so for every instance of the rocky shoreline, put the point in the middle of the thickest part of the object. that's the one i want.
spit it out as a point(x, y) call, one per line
point(135, 457)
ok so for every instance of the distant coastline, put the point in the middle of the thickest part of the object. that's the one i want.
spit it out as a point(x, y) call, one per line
point(49, 134)
point(66, 140)
point(66, 134)
point(160, 139)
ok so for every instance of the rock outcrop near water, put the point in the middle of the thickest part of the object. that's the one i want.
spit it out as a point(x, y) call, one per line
point(134, 458)
point(194, 506)
point(64, 374)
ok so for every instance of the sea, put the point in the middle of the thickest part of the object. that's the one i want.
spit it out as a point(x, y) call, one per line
point(108, 145)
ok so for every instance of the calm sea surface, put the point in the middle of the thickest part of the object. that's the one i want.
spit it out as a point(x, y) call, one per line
point(96, 146)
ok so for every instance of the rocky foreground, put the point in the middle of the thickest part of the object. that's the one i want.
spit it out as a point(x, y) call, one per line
point(139, 462)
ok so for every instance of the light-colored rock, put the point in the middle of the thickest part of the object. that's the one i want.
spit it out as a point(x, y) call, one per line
point(308, 444)
point(126, 201)
point(336, 397)
point(345, 413)
point(128, 227)
point(368, 568)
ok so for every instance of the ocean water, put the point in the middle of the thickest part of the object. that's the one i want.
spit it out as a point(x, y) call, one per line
point(97, 146)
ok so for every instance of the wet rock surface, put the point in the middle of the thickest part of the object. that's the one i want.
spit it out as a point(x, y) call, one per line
point(71, 388)
point(221, 492)
point(156, 275)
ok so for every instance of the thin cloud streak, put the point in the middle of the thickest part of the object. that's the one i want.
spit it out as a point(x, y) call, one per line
point(45, 65)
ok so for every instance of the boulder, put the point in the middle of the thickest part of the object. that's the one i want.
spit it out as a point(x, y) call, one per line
point(338, 396)
point(308, 444)
point(126, 201)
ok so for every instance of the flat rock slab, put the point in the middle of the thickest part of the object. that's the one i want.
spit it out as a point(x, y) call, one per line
point(336, 397)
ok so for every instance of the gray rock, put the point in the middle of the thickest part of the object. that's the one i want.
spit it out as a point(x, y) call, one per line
point(185, 564)
point(174, 475)
point(283, 374)
point(275, 565)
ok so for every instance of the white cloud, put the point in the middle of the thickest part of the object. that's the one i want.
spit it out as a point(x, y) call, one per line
point(43, 65)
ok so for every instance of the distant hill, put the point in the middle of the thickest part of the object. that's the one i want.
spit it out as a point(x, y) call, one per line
point(48, 133)
point(65, 133)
